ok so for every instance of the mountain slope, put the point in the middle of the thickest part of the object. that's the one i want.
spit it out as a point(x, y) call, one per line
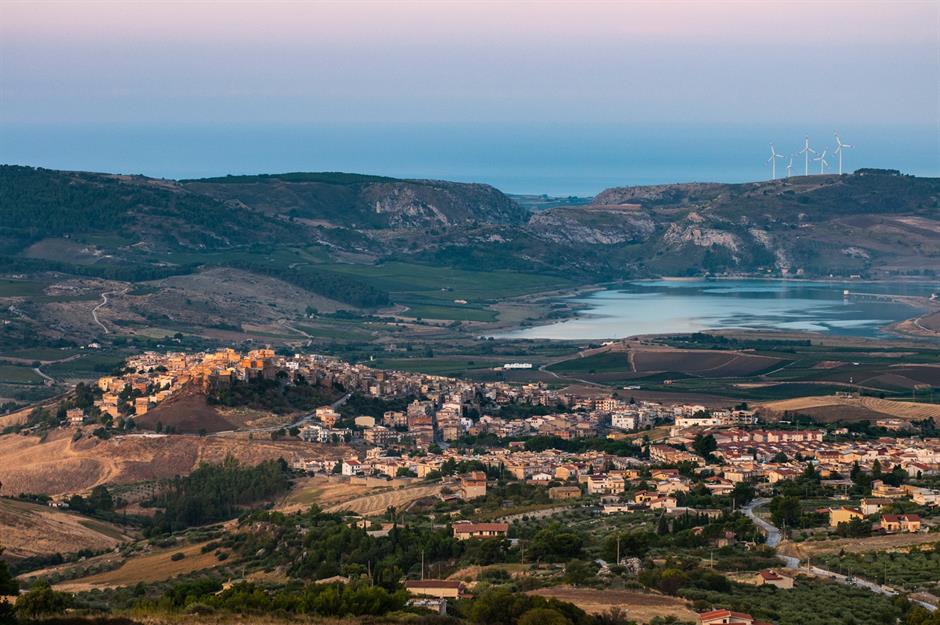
point(871, 223)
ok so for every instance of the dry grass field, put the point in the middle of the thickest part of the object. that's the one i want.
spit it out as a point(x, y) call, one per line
point(61, 466)
point(150, 567)
point(28, 529)
point(639, 606)
point(378, 503)
point(323, 491)
point(855, 545)
point(874, 408)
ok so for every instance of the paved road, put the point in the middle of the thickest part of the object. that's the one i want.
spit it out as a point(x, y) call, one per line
point(104, 302)
point(774, 538)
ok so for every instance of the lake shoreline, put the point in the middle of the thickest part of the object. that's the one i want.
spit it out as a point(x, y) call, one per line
point(829, 320)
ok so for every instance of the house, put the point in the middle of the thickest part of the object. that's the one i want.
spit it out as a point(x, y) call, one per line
point(725, 617)
point(604, 484)
point(75, 416)
point(464, 530)
point(472, 485)
point(439, 588)
point(772, 578)
point(873, 505)
point(897, 523)
point(564, 492)
point(843, 515)
point(880, 489)
point(351, 467)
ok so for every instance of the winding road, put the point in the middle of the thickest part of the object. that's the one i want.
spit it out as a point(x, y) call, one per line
point(775, 537)
point(104, 302)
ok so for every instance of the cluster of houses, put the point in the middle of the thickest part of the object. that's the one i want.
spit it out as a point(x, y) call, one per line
point(441, 414)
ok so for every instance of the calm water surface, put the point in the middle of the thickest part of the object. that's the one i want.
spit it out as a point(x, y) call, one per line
point(665, 306)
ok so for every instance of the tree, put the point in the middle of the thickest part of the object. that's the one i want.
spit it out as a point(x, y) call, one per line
point(8, 583)
point(543, 616)
point(743, 493)
point(704, 445)
point(556, 543)
point(578, 572)
point(785, 511)
point(41, 601)
point(672, 580)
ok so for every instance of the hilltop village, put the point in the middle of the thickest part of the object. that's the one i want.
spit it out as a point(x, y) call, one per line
point(719, 448)
point(598, 487)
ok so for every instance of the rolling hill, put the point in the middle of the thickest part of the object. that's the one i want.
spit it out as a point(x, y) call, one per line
point(334, 236)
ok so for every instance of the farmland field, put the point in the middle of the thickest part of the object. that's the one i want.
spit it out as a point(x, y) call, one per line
point(30, 529)
point(378, 503)
point(14, 374)
point(639, 606)
point(814, 549)
point(150, 567)
point(444, 283)
point(920, 567)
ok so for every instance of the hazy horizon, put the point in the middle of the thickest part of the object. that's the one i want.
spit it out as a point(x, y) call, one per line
point(533, 97)
point(518, 158)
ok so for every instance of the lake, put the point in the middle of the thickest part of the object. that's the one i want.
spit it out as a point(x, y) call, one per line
point(675, 306)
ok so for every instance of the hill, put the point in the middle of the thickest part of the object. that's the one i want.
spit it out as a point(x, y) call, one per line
point(30, 529)
point(242, 257)
point(60, 466)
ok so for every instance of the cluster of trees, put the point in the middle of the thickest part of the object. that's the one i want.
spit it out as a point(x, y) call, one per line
point(329, 600)
point(317, 545)
point(675, 576)
point(124, 272)
point(502, 607)
point(359, 404)
point(38, 203)
point(275, 395)
point(215, 492)
point(98, 503)
point(580, 445)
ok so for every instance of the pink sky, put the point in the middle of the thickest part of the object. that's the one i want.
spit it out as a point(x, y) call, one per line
point(187, 61)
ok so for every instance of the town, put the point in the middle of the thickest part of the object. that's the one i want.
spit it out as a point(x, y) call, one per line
point(498, 462)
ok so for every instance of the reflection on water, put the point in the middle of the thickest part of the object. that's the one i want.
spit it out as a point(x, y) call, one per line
point(666, 306)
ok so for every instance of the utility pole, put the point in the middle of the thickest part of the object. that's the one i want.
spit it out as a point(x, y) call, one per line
point(618, 549)
point(422, 564)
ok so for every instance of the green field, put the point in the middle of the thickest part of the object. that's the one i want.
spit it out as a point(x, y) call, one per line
point(918, 569)
point(598, 363)
point(91, 365)
point(443, 283)
point(20, 288)
point(40, 353)
point(13, 374)
point(445, 365)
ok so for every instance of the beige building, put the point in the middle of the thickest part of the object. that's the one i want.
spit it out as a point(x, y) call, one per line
point(465, 530)
point(843, 515)
point(439, 588)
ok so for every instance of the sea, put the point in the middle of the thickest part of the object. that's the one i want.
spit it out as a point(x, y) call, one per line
point(564, 159)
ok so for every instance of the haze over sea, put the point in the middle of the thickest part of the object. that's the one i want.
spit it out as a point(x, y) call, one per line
point(555, 159)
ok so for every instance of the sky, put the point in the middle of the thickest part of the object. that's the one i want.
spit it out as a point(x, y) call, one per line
point(546, 88)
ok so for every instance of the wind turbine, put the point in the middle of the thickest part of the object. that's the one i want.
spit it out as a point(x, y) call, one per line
point(773, 162)
point(839, 147)
point(823, 163)
point(790, 167)
point(805, 152)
